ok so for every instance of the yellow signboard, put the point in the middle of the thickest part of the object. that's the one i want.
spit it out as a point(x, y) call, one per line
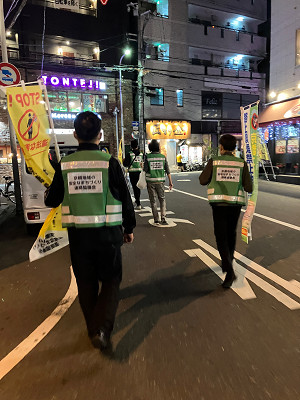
point(30, 119)
point(168, 129)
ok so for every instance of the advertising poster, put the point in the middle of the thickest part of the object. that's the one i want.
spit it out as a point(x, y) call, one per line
point(251, 145)
point(293, 145)
point(280, 147)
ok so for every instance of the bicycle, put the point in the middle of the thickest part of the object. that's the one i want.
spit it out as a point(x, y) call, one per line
point(8, 190)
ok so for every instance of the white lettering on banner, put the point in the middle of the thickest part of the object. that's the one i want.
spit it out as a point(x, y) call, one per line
point(228, 174)
point(85, 182)
point(156, 165)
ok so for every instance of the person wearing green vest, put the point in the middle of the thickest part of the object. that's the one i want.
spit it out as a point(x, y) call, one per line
point(133, 161)
point(96, 203)
point(227, 177)
point(156, 167)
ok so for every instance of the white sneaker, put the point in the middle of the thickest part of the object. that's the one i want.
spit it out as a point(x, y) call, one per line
point(138, 207)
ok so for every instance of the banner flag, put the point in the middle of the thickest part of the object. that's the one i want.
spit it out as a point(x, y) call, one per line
point(263, 149)
point(30, 120)
point(251, 145)
point(52, 236)
point(26, 106)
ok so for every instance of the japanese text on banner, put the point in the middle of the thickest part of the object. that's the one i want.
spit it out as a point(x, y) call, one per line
point(30, 119)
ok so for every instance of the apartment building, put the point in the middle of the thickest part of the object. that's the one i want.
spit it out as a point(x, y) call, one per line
point(74, 46)
point(280, 121)
point(203, 61)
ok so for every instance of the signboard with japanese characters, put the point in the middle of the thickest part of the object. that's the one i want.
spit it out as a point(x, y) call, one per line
point(168, 129)
point(70, 5)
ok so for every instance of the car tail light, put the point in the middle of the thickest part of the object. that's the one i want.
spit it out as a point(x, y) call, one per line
point(33, 216)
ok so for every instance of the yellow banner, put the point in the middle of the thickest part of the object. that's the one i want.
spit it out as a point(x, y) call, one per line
point(120, 154)
point(52, 236)
point(168, 129)
point(30, 119)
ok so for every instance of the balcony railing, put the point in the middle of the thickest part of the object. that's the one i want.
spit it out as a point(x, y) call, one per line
point(207, 63)
point(35, 58)
point(229, 28)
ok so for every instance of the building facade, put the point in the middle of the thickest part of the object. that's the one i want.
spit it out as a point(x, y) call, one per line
point(76, 49)
point(202, 63)
point(280, 121)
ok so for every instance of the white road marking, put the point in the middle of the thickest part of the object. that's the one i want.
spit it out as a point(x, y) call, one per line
point(190, 253)
point(184, 221)
point(149, 214)
point(268, 288)
point(171, 224)
point(277, 221)
point(256, 267)
point(183, 180)
point(21, 351)
point(241, 286)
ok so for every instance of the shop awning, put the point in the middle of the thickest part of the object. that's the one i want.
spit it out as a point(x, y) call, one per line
point(285, 110)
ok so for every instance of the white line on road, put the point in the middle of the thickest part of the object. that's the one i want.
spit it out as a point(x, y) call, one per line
point(183, 180)
point(277, 221)
point(267, 287)
point(21, 351)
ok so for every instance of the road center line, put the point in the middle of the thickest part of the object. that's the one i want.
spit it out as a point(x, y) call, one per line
point(28, 344)
point(276, 221)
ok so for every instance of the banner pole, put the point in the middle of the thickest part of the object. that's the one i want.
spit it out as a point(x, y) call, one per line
point(44, 90)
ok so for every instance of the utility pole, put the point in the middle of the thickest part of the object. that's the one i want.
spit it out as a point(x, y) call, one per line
point(115, 113)
point(13, 142)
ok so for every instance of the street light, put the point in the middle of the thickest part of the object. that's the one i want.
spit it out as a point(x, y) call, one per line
point(127, 52)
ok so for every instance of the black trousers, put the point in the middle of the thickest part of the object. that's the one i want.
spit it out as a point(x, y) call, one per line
point(134, 177)
point(94, 263)
point(225, 223)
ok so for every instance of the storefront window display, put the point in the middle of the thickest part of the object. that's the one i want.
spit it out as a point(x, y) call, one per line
point(75, 102)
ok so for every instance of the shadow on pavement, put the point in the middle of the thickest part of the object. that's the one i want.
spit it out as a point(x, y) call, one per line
point(166, 292)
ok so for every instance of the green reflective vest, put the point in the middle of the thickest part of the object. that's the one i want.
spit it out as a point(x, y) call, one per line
point(226, 183)
point(156, 173)
point(136, 164)
point(88, 202)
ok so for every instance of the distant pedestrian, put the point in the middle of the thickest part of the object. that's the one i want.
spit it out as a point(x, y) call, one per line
point(179, 161)
point(227, 177)
point(95, 204)
point(133, 162)
point(156, 167)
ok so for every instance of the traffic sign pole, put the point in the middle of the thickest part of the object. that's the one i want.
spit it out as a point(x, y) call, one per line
point(13, 142)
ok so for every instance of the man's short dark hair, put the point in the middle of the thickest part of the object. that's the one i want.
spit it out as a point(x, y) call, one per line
point(134, 144)
point(228, 142)
point(153, 146)
point(87, 126)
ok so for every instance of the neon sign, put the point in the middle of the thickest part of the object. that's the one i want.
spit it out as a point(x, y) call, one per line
point(68, 82)
point(104, 2)
point(68, 116)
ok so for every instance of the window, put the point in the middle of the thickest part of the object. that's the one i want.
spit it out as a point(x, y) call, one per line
point(179, 94)
point(74, 102)
point(211, 105)
point(158, 99)
point(95, 103)
point(58, 101)
point(298, 47)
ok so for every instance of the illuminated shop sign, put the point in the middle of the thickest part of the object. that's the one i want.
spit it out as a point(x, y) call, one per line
point(67, 116)
point(70, 82)
point(168, 129)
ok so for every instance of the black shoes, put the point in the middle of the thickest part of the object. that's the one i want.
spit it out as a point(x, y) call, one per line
point(229, 279)
point(164, 222)
point(101, 340)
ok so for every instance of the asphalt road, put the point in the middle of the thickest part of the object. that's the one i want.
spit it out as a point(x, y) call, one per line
point(178, 334)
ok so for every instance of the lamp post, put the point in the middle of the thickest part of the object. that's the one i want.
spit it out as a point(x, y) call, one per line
point(127, 52)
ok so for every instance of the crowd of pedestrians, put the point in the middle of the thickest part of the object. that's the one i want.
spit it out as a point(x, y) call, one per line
point(99, 214)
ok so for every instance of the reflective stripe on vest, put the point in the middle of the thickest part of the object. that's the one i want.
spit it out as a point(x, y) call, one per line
point(228, 163)
point(135, 160)
point(90, 219)
point(84, 164)
point(224, 197)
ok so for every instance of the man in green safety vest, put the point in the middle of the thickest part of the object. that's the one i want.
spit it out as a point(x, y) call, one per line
point(227, 177)
point(156, 168)
point(95, 204)
point(133, 162)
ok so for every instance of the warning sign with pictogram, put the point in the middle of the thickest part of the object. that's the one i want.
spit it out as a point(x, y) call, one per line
point(30, 119)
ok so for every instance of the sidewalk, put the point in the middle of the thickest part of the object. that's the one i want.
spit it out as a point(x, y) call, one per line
point(6, 209)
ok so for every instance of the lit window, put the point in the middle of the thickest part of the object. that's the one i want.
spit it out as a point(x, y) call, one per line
point(158, 99)
point(179, 94)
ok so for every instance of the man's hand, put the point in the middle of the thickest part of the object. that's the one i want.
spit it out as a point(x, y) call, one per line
point(128, 237)
point(170, 185)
